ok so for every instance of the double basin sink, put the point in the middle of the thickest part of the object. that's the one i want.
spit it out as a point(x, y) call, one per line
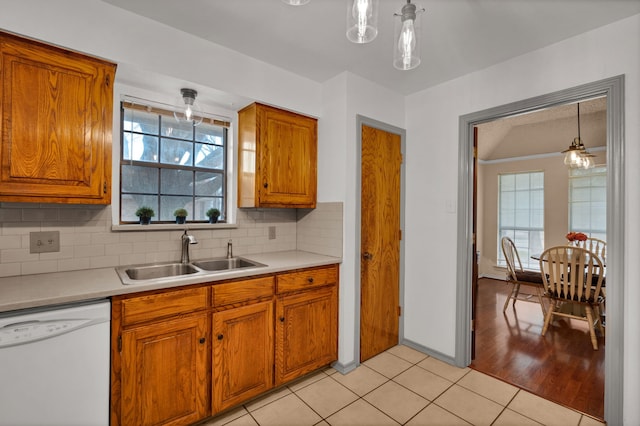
point(161, 272)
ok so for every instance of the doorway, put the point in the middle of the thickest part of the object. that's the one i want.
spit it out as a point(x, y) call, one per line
point(380, 236)
point(613, 89)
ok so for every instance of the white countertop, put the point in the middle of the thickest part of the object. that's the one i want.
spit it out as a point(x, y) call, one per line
point(28, 291)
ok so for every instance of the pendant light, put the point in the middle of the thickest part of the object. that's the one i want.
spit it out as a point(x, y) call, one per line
point(191, 110)
point(296, 2)
point(577, 156)
point(362, 20)
point(406, 48)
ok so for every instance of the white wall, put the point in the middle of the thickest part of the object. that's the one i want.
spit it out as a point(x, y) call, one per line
point(432, 176)
point(346, 96)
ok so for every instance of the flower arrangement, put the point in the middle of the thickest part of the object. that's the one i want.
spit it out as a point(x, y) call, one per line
point(576, 236)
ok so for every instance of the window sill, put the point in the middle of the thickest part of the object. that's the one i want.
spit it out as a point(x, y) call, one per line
point(171, 226)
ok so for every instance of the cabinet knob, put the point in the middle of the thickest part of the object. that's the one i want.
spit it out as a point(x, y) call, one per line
point(281, 319)
point(310, 280)
point(367, 256)
point(202, 340)
point(266, 185)
point(220, 336)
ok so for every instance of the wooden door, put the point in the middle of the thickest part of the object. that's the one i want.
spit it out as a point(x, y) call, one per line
point(306, 332)
point(380, 241)
point(242, 354)
point(164, 373)
point(288, 156)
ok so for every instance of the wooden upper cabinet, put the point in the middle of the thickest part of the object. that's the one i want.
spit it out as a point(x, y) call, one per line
point(277, 158)
point(56, 108)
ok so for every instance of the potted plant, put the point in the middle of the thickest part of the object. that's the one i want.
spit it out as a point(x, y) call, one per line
point(181, 215)
point(213, 215)
point(145, 214)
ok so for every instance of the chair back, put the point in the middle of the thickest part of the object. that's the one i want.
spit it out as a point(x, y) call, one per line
point(512, 258)
point(594, 245)
point(571, 274)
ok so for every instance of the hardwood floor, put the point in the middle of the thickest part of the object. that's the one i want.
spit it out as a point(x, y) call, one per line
point(561, 366)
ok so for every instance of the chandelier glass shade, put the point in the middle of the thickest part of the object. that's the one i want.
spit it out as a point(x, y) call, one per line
point(406, 48)
point(577, 156)
point(190, 111)
point(362, 20)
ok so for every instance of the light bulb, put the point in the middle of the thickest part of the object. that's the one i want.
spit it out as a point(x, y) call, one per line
point(407, 43)
point(362, 21)
point(191, 110)
point(406, 50)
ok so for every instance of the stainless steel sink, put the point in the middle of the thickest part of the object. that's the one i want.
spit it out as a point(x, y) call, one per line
point(160, 271)
point(163, 272)
point(224, 264)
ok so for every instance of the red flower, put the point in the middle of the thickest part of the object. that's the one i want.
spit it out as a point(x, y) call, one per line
point(576, 236)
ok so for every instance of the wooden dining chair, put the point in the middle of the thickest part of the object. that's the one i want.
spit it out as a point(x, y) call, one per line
point(573, 285)
point(517, 277)
point(594, 245)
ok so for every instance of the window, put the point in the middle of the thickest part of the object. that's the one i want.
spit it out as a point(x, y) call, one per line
point(166, 165)
point(588, 201)
point(521, 215)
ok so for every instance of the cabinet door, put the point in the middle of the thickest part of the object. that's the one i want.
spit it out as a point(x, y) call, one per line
point(306, 332)
point(164, 372)
point(56, 124)
point(242, 354)
point(288, 156)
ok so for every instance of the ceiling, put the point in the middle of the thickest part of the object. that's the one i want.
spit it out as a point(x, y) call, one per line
point(458, 36)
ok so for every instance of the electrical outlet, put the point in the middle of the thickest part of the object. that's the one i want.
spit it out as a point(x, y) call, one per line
point(272, 232)
point(44, 242)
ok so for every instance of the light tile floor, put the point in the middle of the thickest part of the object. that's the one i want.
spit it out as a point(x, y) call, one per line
point(400, 387)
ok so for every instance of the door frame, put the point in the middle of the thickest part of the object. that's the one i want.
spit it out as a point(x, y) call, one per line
point(613, 88)
point(360, 121)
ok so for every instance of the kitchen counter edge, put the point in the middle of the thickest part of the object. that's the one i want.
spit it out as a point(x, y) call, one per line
point(56, 288)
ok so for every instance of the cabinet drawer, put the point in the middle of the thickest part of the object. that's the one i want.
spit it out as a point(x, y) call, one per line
point(242, 291)
point(161, 305)
point(308, 278)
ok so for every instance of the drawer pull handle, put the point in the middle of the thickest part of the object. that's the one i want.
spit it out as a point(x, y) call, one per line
point(310, 280)
point(220, 336)
point(202, 340)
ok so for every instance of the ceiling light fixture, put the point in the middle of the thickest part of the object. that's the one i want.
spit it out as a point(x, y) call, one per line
point(362, 20)
point(191, 110)
point(296, 2)
point(577, 156)
point(406, 49)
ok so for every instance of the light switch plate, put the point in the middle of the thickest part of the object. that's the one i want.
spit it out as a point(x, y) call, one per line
point(44, 242)
point(272, 232)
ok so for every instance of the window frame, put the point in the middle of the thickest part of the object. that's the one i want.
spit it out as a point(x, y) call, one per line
point(584, 175)
point(516, 232)
point(166, 111)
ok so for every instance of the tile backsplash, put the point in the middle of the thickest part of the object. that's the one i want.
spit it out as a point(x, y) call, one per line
point(87, 240)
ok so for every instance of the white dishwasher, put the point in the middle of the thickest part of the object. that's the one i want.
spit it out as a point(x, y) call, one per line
point(54, 365)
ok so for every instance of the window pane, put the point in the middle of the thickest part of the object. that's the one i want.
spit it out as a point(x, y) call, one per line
point(588, 200)
point(174, 129)
point(139, 179)
point(170, 204)
point(209, 156)
point(210, 133)
point(176, 182)
point(209, 184)
point(129, 203)
point(139, 147)
point(140, 122)
point(176, 152)
point(205, 203)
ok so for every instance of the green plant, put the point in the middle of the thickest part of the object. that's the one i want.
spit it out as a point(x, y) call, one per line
point(213, 212)
point(145, 211)
point(181, 213)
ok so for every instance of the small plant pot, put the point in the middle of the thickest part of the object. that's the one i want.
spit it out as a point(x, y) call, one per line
point(145, 220)
point(181, 219)
point(213, 219)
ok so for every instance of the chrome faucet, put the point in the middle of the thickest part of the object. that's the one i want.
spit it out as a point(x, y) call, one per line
point(229, 249)
point(186, 240)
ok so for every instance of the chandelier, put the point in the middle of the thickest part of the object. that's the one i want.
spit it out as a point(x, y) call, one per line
point(577, 156)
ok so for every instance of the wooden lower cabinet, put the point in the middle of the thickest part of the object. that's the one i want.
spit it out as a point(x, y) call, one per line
point(242, 354)
point(181, 355)
point(164, 372)
point(306, 332)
